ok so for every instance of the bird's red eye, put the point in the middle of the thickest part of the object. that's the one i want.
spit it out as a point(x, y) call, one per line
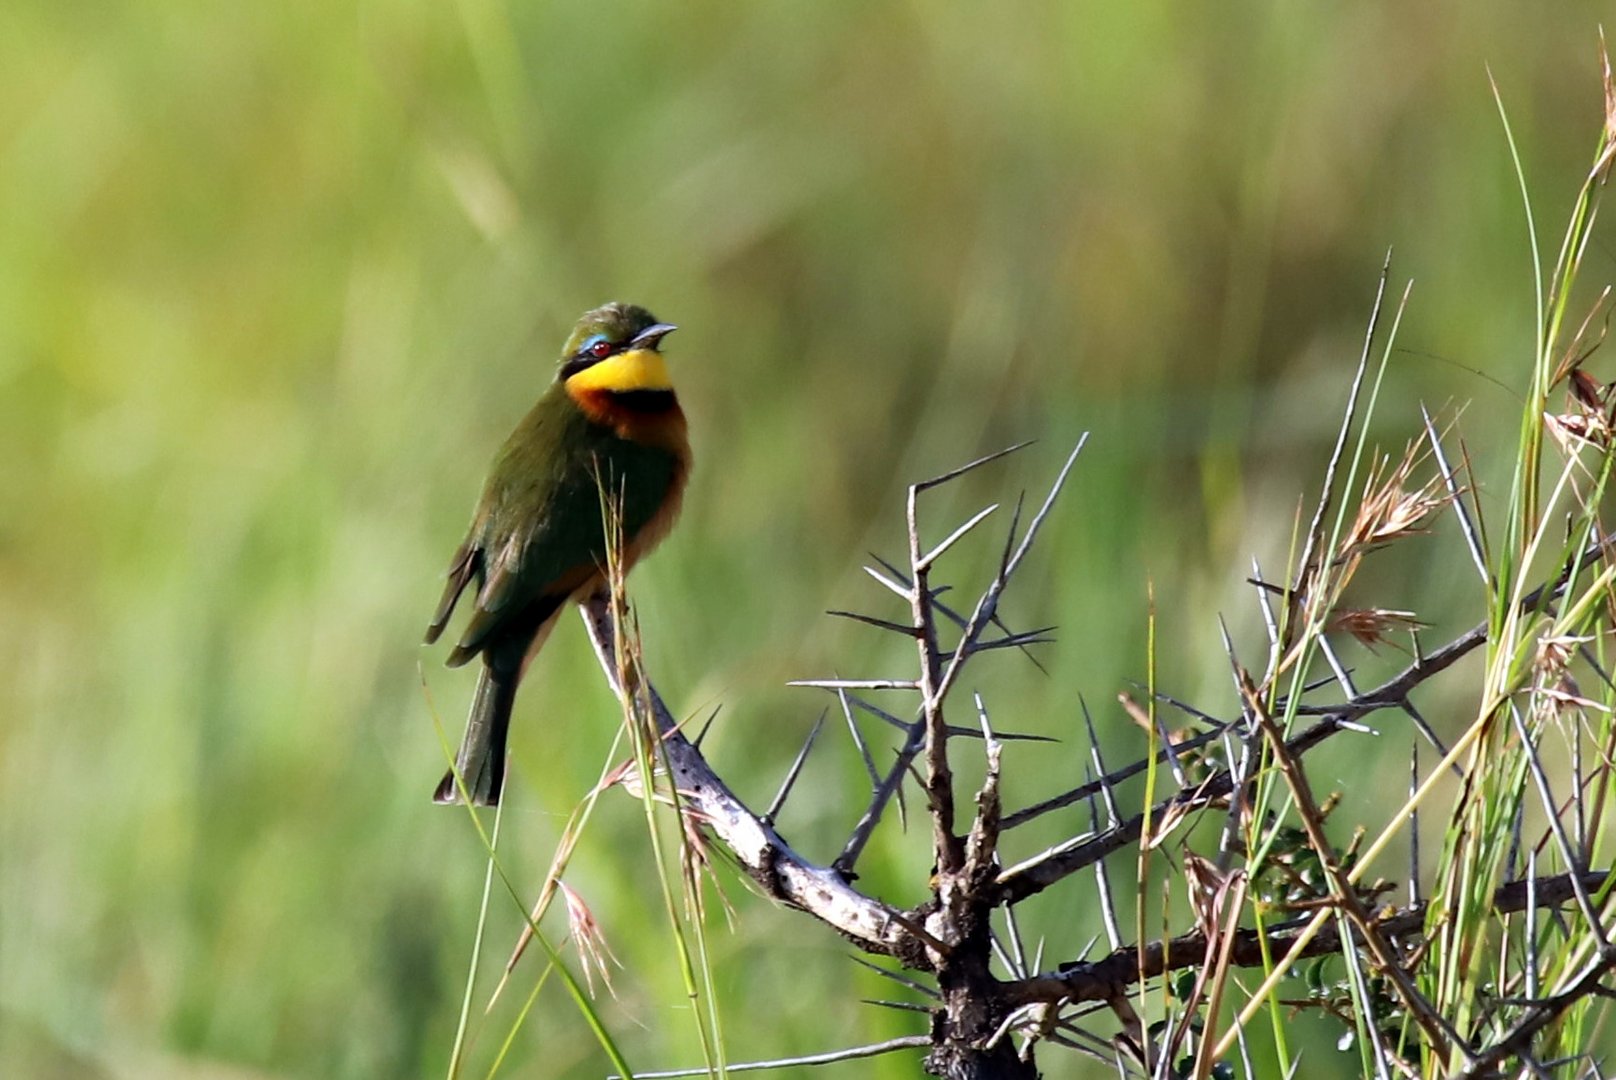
point(600, 350)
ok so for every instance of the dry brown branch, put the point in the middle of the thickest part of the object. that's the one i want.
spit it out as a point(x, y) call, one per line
point(1542, 1013)
point(1099, 980)
point(1344, 895)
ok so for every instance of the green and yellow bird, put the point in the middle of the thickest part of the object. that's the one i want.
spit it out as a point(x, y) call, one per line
point(610, 422)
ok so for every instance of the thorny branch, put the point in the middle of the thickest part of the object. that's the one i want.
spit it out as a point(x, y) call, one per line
point(948, 937)
point(765, 855)
point(1100, 980)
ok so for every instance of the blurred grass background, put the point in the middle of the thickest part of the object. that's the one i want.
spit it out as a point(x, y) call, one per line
point(276, 280)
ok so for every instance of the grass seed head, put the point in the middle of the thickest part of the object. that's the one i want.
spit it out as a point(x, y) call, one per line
point(590, 941)
point(1370, 626)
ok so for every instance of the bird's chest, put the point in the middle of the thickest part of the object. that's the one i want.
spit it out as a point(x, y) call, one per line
point(561, 491)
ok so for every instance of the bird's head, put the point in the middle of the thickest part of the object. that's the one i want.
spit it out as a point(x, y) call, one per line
point(615, 348)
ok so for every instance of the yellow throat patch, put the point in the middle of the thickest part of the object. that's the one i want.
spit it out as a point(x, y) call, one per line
point(636, 369)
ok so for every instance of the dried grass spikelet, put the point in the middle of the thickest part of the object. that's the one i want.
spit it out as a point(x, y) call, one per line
point(1590, 412)
point(627, 776)
point(1554, 689)
point(590, 941)
point(1572, 430)
point(1208, 889)
point(1601, 169)
point(1372, 625)
point(696, 864)
point(1590, 405)
point(1391, 508)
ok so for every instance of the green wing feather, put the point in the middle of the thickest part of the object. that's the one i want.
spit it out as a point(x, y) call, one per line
point(538, 529)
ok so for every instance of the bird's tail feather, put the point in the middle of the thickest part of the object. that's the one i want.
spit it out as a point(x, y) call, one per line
point(481, 761)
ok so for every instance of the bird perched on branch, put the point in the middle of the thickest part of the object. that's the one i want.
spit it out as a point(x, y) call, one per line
point(608, 427)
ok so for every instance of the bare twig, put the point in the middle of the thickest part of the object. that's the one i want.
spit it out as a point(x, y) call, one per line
point(796, 769)
point(981, 846)
point(878, 801)
point(1037, 873)
point(1543, 1013)
point(906, 1042)
point(1099, 980)
point(1311, 554)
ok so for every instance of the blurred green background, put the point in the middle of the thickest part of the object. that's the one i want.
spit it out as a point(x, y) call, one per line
point(275, 280)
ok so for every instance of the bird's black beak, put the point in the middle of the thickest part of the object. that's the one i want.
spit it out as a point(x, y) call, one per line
point(651, 336)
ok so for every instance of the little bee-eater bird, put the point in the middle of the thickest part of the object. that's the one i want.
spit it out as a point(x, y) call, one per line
point(609, 425)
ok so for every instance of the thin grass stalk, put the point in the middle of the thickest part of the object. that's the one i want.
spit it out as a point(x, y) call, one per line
point(461, 1042)
point(575, 990)
point(646, 742)
point(591, 1017)
point(571, 833)
point(516, 1025)
point(1478, 837)
point(1146, 844)
point(1370, 854)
